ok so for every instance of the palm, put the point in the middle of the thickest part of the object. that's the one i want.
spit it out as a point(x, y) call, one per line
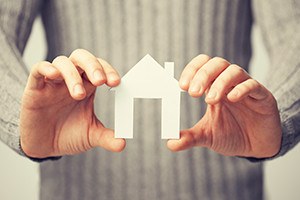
point(237, 128)
point(67, 124)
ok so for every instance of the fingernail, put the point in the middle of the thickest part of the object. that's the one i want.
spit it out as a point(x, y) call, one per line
point(184, 83)
point(195, 88)
point(212, 94)
point(113, 77)
point(78, 89)
point(98, 75)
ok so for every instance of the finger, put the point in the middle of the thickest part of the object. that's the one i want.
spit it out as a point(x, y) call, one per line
point(90, 65)
point(39, 72)
point(113, 77)
point(229, 78)
point(106, 140)
point(191, 69)
point(250, 88)
point(206, 75)
point(188, 139)
point(71, 76)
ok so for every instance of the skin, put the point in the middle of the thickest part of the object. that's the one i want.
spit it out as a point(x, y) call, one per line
point(57, 113)
point(242, 117)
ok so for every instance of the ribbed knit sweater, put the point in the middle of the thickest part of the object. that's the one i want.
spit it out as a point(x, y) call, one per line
point(122, 32)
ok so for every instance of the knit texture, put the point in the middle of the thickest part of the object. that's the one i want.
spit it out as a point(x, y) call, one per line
point(122, 32)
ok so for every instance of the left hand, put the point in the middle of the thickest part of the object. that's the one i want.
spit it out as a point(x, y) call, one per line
point(57, 113)
point(242, 117)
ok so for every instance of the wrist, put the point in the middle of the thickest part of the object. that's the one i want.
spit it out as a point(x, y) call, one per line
point(36, 158)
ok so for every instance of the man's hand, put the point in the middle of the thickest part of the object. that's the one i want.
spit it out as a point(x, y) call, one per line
point(57, 115)
point(242, 117)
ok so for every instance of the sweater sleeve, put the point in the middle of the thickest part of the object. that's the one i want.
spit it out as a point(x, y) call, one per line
point(16, 19)
point(280, 24)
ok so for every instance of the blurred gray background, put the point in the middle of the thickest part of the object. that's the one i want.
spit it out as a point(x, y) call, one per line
point(19, 177)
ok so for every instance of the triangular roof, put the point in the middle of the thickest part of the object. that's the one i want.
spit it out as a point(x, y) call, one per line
point(148, 69)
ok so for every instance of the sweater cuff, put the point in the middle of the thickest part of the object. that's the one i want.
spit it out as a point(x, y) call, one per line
point(39, 160)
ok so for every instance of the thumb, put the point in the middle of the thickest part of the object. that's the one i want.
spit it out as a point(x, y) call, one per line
point(104, 137)
point(189, 138)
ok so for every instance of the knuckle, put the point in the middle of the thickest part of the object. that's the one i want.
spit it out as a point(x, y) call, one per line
point(220, 61)
point(203, 74)
point(77, 52)
point(236, 69)
point(59, 59)
point(245, 87)
point(204, 56)
point(39, 65)
point(254, 83)
point(222, 82)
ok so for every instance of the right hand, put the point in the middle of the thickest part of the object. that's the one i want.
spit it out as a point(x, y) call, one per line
point(57, 112)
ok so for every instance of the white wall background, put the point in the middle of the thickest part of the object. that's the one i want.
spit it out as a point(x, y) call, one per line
point(19, 177)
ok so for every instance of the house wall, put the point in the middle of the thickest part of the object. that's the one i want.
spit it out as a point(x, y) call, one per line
point(123, 115)
point(170, 116)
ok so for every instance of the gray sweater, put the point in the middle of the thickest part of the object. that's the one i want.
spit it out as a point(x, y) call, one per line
point(122, 32)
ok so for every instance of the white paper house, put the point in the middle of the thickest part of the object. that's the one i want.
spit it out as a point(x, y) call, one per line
point(148, 79)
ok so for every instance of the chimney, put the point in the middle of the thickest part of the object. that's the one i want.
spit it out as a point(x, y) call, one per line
point(169, 67)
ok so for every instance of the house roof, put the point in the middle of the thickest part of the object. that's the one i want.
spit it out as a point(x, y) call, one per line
point(148, 73)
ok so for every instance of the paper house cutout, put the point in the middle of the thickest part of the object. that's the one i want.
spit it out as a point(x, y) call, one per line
point(148, 79)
